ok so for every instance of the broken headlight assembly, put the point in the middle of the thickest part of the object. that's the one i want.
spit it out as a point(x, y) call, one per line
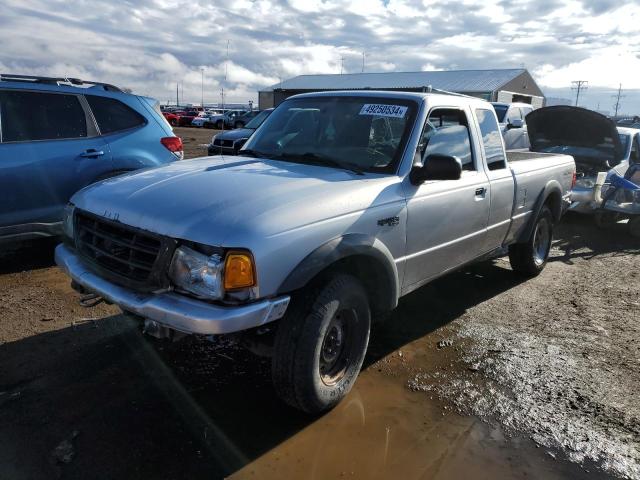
point(211, 276)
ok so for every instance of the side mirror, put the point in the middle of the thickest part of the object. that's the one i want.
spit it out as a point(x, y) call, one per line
point(516, 123)
point(437, 167)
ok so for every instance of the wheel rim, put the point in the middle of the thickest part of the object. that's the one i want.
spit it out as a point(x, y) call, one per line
point(336, 347)
point(541, 241)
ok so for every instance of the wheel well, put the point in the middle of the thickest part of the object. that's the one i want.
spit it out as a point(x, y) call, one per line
point(372, 274)
point(554, 202)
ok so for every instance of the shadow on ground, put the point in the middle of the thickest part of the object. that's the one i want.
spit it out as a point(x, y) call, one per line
point(135, 408)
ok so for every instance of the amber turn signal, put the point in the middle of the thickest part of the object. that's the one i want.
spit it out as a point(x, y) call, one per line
point(239, 271)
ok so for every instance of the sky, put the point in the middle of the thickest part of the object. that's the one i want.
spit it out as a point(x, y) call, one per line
point(150, 46)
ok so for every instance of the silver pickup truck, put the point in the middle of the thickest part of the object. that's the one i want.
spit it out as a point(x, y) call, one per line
point(337, 206)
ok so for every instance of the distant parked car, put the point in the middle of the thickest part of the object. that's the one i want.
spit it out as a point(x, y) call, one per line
point(242, 120)
point(185, 118)
point(513, 124)
point(227, 119)
point(57, 138)
point(229, 142)
point(172, 118)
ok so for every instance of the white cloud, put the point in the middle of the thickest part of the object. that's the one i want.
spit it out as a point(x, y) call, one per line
point(150, 45)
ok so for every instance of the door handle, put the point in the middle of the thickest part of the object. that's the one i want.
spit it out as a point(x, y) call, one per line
point(91, 153)
point(480, 191)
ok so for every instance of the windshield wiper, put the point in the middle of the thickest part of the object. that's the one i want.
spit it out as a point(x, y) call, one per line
point(323, 160)
point(252, 153)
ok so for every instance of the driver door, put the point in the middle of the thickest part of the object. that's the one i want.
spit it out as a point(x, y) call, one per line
point(447, 219)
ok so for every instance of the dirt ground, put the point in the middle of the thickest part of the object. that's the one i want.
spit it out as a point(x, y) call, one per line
point(478, 374)
point(195, 140)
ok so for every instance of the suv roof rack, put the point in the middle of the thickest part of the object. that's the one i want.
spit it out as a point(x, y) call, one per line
point(56, 81)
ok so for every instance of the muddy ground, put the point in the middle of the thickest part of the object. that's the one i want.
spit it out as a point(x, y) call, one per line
point(479, 374)
point(195, 140)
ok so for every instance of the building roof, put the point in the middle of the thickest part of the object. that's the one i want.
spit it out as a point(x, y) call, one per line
point(453, 80)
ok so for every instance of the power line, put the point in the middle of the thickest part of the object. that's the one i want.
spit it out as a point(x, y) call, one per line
point(579, 85)
point(617, 96)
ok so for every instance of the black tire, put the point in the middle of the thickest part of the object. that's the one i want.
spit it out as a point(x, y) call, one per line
point(219, 124)
point(320, 344)
point(238, 125)
point(529, 258)
point(173, 122)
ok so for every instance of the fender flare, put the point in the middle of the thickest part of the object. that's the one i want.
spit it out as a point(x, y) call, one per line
point(344, 247)
point(552, 190)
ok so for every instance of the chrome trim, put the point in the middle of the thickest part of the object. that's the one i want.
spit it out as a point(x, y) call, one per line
point(171, 309)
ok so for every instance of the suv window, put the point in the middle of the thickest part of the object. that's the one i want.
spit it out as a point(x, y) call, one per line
point(447, 133)
point(113, 115)
point(30, 116)
point(491, 139)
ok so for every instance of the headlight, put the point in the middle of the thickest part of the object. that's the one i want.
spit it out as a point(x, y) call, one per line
point(67, 222)
point(197, 273)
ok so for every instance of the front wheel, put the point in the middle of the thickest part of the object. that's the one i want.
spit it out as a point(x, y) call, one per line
point(219, 124)
point(529, 258)
point(321, 343)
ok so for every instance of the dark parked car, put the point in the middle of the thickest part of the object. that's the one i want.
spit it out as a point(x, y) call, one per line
point(242, 120)
point(56, 138)
point(185, 118)
point(229, 142)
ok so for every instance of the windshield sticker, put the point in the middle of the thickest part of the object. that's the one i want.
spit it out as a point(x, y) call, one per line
point(396, 111)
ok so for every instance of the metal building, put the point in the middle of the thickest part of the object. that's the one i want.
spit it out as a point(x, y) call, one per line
point(503, 85)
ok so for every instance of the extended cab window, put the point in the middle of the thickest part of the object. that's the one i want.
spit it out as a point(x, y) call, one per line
point(113, 115)
point(447, 133)
point(28, 116)
point(491, 139)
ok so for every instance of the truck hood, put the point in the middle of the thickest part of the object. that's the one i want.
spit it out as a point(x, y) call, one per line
point(590, 137)
point(214, 199)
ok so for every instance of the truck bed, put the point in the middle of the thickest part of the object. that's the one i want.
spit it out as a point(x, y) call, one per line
point(519, 155)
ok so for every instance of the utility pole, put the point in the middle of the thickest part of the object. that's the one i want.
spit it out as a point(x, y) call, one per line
point(363, 55)
point(177, 96)
point(341, 64)
point(579, 85)
point(202, 87)
point(617, 96)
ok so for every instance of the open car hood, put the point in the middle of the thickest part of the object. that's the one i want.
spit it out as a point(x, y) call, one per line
point(587, 135)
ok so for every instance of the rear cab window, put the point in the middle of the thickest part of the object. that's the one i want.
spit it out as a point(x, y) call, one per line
point(31, 116)
point(491, 139)
point(112, 115)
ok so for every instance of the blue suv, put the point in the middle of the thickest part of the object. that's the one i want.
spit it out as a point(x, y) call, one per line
point(58, 135)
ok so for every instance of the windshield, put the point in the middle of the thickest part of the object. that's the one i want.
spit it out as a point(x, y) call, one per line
point(365, 132)
point(256, 121)
point(501, 111)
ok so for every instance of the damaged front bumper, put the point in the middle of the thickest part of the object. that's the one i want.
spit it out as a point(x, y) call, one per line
point(171, 309)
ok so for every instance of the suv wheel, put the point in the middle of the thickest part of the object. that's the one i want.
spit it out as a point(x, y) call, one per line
point(529, 258)
point(238, 125)
point(321, 343)
point(219, 124)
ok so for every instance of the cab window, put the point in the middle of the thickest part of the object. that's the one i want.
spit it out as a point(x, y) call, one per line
point(446, 132)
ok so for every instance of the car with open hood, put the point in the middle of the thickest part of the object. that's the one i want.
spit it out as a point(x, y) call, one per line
point(594, 141)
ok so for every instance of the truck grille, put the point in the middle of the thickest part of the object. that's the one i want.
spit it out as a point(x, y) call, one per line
point(223, 143)
point(132, 255)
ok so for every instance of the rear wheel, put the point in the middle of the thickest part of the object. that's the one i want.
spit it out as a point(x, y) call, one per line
point(529, 258)
point(321, 343)
point(173, 122)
